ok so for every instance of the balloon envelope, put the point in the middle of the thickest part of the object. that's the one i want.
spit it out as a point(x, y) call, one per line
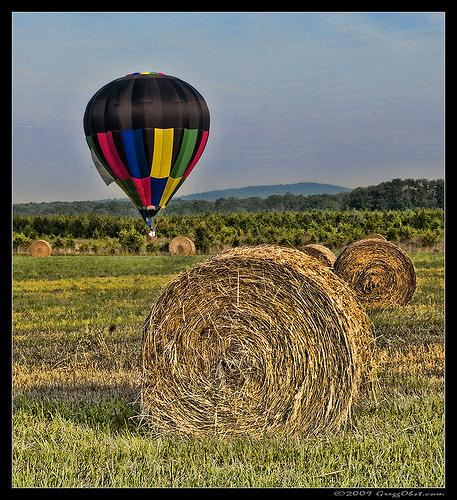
point(146, 132)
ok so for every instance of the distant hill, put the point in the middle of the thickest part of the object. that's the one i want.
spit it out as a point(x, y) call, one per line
point(299, 188)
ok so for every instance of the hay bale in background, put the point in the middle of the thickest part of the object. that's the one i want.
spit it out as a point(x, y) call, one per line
point(40, 248)
point(321, 253)
point(374, 236)
point(181, 245)
point(251, 343)
point(380, 272)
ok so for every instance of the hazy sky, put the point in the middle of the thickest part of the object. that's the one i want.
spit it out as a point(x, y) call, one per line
point(343, 98)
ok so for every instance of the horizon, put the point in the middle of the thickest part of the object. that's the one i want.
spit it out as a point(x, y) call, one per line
point(348, 99)
point(214, 190)
point(190, 194)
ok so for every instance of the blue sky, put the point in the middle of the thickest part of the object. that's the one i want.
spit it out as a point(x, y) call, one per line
point(342, 98)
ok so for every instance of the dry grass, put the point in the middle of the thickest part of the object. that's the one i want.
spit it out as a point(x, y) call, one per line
point(255, 341)
point(321, 253)
point(181, 245)
point(40, 248)
point(380, 272)
point(415, 360)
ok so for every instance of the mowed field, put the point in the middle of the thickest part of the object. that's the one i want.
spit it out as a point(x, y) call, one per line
point(77, 326)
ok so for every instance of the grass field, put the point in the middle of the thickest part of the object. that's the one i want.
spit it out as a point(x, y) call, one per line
point(77, 324)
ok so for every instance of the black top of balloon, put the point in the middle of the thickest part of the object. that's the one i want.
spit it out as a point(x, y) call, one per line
point(146, 100)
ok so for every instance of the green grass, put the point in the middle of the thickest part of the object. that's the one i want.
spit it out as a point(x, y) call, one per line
point(76, 388)
point(82, 266)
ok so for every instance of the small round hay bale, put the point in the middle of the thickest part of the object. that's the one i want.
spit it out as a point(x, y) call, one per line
point(40, 248)
point(380, 272)
point(181, 245)
point(323, 254)
point(374, 236)
point(248, 344)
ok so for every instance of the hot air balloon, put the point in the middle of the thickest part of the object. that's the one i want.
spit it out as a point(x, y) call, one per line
point(146, 132)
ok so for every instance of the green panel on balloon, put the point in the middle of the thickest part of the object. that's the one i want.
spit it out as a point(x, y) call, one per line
point(185, 153)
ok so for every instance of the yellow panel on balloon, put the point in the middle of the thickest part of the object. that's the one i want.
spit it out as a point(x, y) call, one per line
point(163, 150)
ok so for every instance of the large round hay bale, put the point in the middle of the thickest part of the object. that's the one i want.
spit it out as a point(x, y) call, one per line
point(40, 248)
point(253, 344)
point(323, 254)
point(181, 245)
point(374, 236)
point(380, 272)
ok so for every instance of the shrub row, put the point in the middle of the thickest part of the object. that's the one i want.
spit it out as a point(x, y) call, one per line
point(423, 227)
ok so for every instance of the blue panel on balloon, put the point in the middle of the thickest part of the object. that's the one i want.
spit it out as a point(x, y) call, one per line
point(140, 154)
point(157, 189)
point(130, 151)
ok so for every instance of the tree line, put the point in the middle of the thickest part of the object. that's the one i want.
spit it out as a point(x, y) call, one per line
point(397, 194)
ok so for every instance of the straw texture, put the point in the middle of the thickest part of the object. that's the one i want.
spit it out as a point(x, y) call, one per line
point(40, 248)
point(181, 245)
point(380, 272)
point(374, 236)
point(259, 341)
point(321, 253)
